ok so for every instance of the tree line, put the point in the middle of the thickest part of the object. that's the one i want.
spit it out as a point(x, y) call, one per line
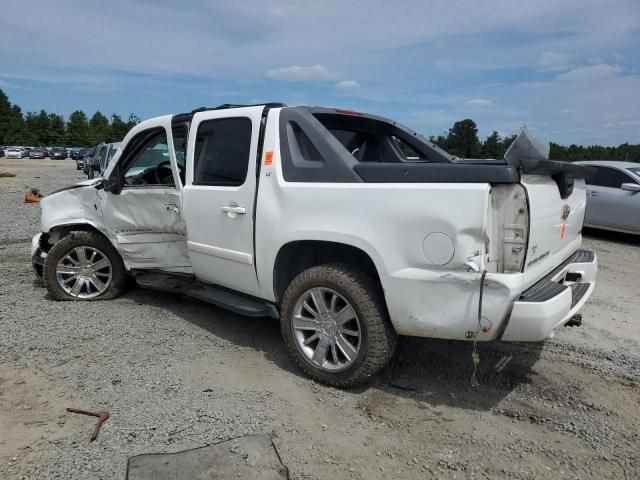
point(50, 129)
point(462, 140)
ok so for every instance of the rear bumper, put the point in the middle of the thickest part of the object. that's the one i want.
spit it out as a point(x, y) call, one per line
point(554, 300)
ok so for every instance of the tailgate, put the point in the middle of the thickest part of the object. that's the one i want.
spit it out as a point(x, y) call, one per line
point(556, 199)
point(555, 223)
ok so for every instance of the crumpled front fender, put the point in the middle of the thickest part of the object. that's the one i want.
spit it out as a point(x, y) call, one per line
point(79, 205)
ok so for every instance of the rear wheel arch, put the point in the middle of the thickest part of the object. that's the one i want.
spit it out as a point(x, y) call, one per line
point(297, 256)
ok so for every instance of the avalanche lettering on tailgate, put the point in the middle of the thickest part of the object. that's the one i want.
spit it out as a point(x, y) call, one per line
point(539, 258)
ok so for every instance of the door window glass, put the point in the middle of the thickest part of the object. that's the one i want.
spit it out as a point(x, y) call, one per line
point(610, 177)
point(146, 160)
point(112, 152)
point(222, 152)
point(180, 135)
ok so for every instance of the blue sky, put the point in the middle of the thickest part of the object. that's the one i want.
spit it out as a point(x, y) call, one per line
point(569, 69)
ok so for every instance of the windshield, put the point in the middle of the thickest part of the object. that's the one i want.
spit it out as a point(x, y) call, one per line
point(635, 170)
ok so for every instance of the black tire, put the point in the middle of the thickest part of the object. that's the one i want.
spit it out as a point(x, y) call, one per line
point(378, 338)
point(119, 277)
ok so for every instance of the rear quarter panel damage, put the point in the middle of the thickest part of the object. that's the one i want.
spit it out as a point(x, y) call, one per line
point(389, 222)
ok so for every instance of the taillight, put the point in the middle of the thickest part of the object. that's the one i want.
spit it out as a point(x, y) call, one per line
point(508, 230)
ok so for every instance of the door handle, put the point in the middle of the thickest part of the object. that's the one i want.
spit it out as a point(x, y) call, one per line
point(233, 210)
point(172, 208)
point(592, 194)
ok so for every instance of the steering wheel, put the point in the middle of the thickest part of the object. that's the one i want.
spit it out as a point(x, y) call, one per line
point(156, 171)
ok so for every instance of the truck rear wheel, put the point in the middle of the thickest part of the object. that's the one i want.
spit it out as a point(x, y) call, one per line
point(335, 325)
point(84, 266)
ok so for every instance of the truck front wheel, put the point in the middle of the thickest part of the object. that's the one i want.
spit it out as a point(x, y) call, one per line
point(335, 325)
point(84, 266)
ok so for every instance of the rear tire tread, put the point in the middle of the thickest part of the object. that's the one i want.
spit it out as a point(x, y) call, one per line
point(368, 301)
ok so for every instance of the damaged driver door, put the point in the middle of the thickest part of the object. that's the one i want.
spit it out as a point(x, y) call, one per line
point(142, 205)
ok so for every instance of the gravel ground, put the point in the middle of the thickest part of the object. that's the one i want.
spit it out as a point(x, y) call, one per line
point(176, 373)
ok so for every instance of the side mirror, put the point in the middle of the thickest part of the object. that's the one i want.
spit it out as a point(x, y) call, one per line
point(630, 187)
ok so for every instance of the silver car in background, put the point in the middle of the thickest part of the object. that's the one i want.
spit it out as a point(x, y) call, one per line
point(14, 152)
point(106, 159)
point(101, 158)
point(613, 196)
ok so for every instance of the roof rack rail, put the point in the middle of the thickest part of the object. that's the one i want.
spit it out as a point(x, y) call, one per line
point(234, 105)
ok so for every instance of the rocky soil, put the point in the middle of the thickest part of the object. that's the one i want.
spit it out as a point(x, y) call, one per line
point(176, 373)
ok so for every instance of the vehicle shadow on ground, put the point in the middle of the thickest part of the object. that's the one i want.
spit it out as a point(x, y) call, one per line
point(441, 371)
point(259, 333)
point(435, 371)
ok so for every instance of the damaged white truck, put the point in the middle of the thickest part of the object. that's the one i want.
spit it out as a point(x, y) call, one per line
point(349, 228)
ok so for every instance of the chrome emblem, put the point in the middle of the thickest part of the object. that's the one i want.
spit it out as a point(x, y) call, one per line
point(566, 210)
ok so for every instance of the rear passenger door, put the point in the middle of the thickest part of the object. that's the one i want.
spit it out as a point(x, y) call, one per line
point(218, 197)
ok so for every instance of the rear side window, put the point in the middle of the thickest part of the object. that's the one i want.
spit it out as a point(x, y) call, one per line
point(409, 153)
point(610, 177)
point(222, 152)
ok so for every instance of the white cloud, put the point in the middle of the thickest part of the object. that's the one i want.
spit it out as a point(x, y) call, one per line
point(347, 84)
point(479, 102)
point(219, 52)
point(590, 73)
point(579, 112)
point(553, 61)
point(297, 73)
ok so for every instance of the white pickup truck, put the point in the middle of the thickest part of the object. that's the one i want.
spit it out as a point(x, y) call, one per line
point(348, 227)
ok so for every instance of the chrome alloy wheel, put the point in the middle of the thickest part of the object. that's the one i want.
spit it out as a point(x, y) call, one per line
point(84, 272)
point(326, 329)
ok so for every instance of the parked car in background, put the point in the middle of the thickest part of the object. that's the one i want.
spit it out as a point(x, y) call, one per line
point(93, 164)
point(58, 153)
point(15, 152)
point(88, 158)
point(37, 153)
point(613, 196)
point(101, 158)
point(80, 158)
point(74, 152)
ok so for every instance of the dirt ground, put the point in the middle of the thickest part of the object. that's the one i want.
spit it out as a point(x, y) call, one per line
point(176, 374)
